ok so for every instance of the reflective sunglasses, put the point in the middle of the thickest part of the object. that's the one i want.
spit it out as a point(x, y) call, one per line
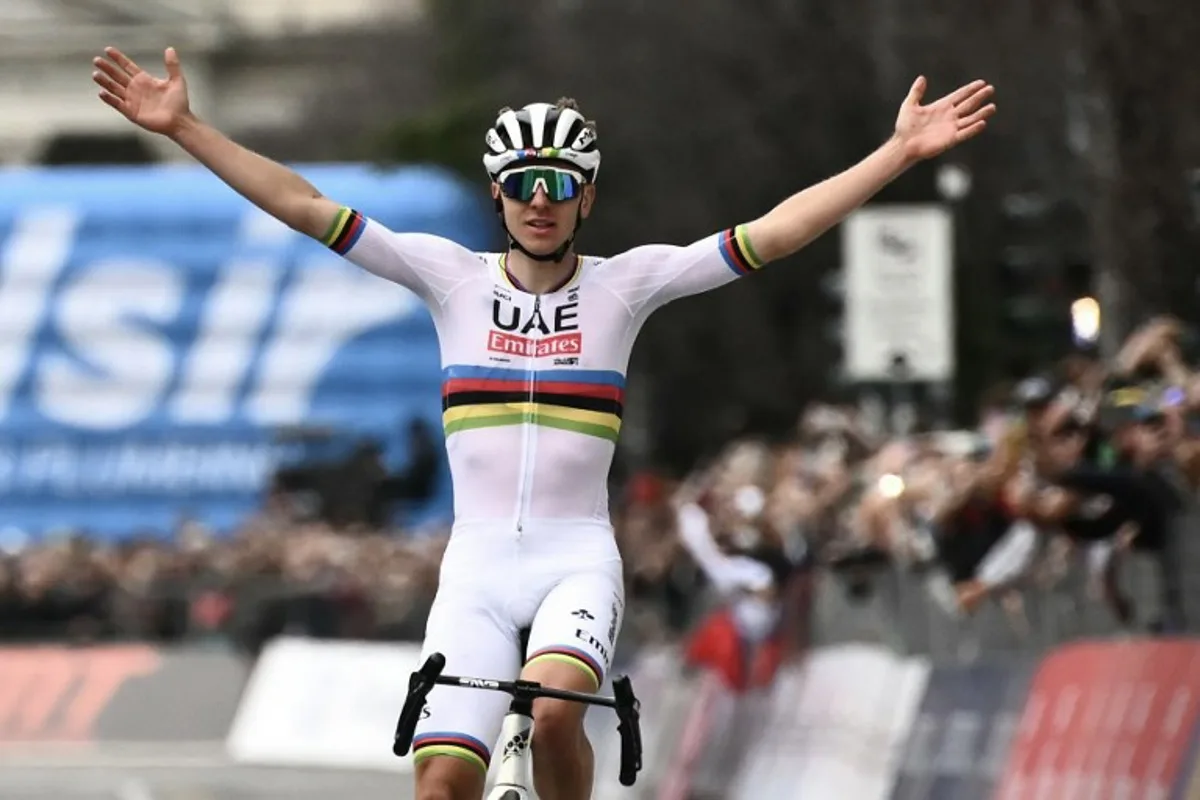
point(558, 184)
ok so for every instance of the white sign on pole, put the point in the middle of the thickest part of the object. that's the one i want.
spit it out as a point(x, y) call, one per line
point(898, 262)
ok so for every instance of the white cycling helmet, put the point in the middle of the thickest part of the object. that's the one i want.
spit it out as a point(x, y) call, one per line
point(545, 132)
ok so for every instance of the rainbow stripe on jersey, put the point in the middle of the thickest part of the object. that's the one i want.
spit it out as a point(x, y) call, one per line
point(584, 401)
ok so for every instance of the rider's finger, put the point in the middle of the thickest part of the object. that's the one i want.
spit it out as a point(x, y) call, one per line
point(109, 85)
point(171, 59)
point(971, 130)
point(917, 91)
point(110, 69)
point(978, 116)
point(964, 91)
point(112, 100)
point(123, 61)
point(975, 100)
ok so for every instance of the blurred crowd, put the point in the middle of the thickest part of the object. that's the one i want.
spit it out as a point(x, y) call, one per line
point(1078, 470)
point(1070, 476)
point(1078, 466)
point(276, 575)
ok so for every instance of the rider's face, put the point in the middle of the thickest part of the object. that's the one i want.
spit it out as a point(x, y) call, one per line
point(540, 225)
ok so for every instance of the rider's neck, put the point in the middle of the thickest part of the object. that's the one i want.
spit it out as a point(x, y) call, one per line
point(539, 277)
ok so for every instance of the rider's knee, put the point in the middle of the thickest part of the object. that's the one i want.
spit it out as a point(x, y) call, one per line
point(557, 724)
point(435, 791)
point(448, 779)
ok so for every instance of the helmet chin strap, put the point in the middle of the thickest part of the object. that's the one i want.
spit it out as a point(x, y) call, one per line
point(559, 253)
point(556, 256)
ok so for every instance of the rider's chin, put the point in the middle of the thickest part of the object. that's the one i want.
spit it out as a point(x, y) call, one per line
point(541, 245)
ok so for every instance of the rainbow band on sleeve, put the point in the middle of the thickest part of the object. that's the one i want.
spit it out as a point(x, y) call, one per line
point(344, 231)
point(738, 252)
point(454, 745)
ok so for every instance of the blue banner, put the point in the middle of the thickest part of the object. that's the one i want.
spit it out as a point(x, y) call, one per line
point(158, 333)
point(959, 741)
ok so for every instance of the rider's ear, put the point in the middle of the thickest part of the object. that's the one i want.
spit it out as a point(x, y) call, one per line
point(495, 191)
point(589, 197)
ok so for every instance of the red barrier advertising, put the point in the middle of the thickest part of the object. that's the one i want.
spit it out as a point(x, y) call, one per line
point(1106, 720)
point(102, 695)
point(51, 694)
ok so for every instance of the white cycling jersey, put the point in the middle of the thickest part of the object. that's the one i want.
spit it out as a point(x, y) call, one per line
point(534, 385)
point(533, 390)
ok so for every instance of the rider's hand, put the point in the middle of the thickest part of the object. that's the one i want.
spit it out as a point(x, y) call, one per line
point(157, 105)
point(926, 131)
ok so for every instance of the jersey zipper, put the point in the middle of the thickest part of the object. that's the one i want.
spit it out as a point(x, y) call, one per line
point(528, 431)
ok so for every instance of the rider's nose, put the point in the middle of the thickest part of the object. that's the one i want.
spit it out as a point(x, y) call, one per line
point(540, 200)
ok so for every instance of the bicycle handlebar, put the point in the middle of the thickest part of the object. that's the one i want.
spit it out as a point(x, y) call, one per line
point(623, 701)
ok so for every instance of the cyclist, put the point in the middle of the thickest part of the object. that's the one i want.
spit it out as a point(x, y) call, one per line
point(534, 345)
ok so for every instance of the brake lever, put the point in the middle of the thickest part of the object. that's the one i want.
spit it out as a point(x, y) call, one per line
point(628, 710)
point(420, 683)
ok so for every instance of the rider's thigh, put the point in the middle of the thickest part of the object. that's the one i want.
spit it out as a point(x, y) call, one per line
point(577, 623)
point(460, 726)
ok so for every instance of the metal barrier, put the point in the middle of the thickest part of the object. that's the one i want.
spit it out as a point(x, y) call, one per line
point(902, 613)
point(1046, 610)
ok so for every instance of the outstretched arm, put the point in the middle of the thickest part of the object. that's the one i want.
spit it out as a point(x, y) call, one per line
point(647, 278)
point(922, 132)
point(161, 106)
point(274, 188)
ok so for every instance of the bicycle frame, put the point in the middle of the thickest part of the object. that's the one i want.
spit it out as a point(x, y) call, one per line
point(514, 779)
point(515, 775)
